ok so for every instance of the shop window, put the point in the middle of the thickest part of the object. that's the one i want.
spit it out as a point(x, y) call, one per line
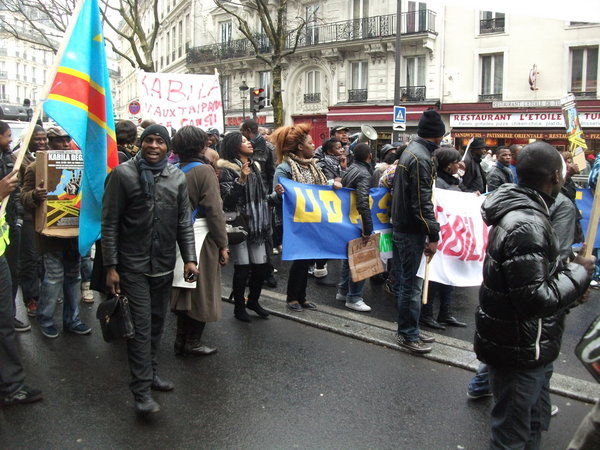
point(491, 22)
point(492, 68)
point(584, 71)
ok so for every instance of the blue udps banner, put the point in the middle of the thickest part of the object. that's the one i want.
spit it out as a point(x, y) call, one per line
point(584, 199)
point(318, 221)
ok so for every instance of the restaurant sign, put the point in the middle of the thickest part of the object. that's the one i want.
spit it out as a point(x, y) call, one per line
point(521, 120)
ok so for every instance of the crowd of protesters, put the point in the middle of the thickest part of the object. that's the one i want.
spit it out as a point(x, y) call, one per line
point(181, 205)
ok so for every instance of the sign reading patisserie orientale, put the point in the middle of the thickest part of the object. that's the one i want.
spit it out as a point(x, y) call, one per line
point(521, 119)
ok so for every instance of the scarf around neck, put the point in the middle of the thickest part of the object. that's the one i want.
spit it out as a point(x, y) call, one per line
point(147, 173)
point(305, 170)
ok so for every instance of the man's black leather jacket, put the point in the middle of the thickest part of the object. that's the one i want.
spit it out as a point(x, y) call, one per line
point(358, 177)
point(139, 234)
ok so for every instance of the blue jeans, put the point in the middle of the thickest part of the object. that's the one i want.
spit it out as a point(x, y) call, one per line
point(86, 268)
point(353, 291)
point(61, 276)
point(408, 250)
point(480, 383)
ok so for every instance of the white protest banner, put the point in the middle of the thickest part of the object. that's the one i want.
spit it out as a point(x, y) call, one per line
point(463, 240)
point(179, 99)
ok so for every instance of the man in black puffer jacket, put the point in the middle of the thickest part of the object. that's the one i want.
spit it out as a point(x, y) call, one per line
point(415, 229)
point(525, 293)
point(358, 177)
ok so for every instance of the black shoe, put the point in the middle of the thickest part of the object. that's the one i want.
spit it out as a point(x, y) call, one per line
point(418, 347)
point(270, 281)
point(327, 280)
point(20, 326)
point(146, 405)
point(452, 321)
point(195, 348)
point(21, 396)
point(162, 385)
point(255, 306)
point(295, 306)
point(239, 311)
point(309, 305)
point(430, 322)
point(179, 345)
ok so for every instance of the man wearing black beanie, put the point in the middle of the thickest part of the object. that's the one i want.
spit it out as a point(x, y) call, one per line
point(415, 228)
point(145, 214)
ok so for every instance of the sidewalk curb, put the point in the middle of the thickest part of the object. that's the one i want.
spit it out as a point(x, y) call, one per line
point(447, 350)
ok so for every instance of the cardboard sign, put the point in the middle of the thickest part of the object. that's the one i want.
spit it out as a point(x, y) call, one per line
point(178, 99)
point(364, 259)
point(588, 349)
point(61, 171)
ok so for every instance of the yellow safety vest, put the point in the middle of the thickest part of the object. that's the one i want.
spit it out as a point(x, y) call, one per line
point(4, 240)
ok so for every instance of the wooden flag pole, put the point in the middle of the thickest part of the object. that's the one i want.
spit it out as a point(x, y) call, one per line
point(426, 281)
point(46, 90)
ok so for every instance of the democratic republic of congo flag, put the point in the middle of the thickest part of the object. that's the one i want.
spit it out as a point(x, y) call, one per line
point(80, 102)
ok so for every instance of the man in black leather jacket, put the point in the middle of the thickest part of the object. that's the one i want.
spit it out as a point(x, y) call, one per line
point(357, 177)
point(474, 179)
point(415, 229)
point(145, 213)
point(525, 294)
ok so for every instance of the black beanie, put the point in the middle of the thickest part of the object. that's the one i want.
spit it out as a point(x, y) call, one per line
point(159, 130)
point(431, 125)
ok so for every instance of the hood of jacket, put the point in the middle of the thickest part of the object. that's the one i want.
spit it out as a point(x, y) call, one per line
point(226, 164)
point(510, 197)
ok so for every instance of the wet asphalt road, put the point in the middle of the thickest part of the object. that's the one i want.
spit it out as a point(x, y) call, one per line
point(465, 303)
point(274, 384)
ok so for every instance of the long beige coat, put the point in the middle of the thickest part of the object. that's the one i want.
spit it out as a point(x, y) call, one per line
point(204, 302)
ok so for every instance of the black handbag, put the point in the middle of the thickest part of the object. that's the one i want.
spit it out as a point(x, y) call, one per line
point(115, 319)
point(236, 227)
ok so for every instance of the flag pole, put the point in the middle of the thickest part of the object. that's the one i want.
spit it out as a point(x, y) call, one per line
point(45, 91)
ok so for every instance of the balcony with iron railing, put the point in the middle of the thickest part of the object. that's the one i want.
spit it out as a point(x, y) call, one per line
point(357, 95)
point(314, 97)
point(496, 25)
point(413, 93)
point(376, 27)
point(490, 97)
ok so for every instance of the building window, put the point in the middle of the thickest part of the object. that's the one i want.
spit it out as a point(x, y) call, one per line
point(173, 43)
point(492, 67)
point(415, 71)
point(226, 91)
point(312, 29)
point(313, 87)
point(168, 46)
point(180, 35)
point(188, 34)
point(360, 9)
point(3, 93)
point(225, 32)
point(491, 22)
point(584, 71)
point(264, 82)
point(359, 73)
point(416, 18)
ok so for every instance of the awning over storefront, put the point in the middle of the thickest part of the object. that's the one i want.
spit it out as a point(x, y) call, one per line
point(374, 115)
point(496, 133)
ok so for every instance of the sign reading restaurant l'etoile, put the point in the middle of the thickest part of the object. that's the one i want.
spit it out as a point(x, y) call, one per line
point(521, 120)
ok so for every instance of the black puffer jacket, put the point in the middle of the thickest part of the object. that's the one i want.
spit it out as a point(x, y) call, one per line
point(139, 234)
point(499, 175)
point(330, 166)
point(358, 177)
point(412, 208)
point(526, 287)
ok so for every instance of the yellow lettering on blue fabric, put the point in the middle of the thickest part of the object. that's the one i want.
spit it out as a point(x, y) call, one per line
point(354, 215)
point(333, 206)
point(384, 205)
point(301, 214)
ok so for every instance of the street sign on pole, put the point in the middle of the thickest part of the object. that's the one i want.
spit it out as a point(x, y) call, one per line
point(399, 123)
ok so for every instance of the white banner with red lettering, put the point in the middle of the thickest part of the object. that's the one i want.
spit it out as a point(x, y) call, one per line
point(463, 240)
point(178, 99)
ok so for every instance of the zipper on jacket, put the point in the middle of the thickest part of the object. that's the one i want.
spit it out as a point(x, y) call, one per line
point(537, 340)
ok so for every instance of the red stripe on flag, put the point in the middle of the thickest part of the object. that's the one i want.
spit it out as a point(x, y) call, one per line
point(81, 91)
point(112, 155)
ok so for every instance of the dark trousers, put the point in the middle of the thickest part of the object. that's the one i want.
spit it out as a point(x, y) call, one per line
point(444, 292)
point(297, 280)
point(30, 263)
point(12, 258)
point(257, 274)
point(521, 407)
point(11, 370)
point(148, 300)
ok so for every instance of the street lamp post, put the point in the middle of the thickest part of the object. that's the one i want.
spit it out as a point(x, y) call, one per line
point(396, 134)
point(243, 88)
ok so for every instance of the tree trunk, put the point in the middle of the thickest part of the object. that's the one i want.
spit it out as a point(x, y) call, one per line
point(277, 100)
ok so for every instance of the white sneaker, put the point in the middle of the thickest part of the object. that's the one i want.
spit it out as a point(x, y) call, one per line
point(358, 306)
point(276, 251)
point(86, 293)
point(594, 284)
point(340, 297)
point(320, 273)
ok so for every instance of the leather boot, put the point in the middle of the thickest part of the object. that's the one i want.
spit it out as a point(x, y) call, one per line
point(193, 346)
point(240, 276)
point(180, 335)
point(255, 306)
point(144, 404)
point(258, 275)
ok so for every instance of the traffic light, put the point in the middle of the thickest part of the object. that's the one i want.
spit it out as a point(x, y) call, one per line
point(257, 99)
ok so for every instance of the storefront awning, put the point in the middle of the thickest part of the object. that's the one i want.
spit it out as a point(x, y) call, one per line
point(369, 114)
point(519, 133)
